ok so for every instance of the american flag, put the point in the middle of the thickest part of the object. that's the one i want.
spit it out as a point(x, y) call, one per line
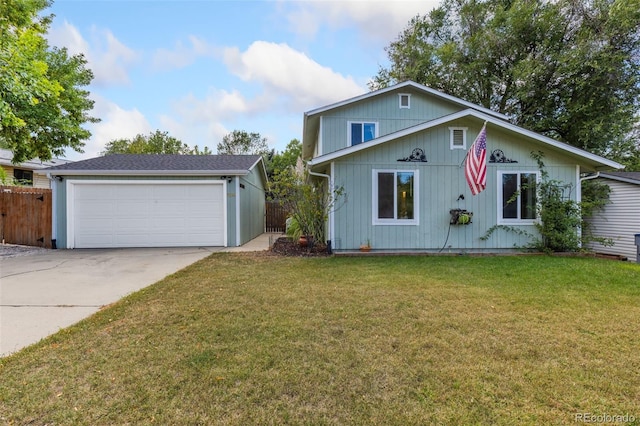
point(475, 169)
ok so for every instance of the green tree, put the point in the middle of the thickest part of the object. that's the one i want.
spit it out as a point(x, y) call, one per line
point(627, 151)
point(240, 142)
point(42, 101)
point(288, 158)
point(564, 68)
point(157, 142)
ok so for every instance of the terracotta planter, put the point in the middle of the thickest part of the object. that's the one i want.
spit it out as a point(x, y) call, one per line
point(365, 248)
point(303, 241)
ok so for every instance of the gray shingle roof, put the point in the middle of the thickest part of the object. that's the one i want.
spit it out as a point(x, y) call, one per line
point(631, 177)
point(161, 163)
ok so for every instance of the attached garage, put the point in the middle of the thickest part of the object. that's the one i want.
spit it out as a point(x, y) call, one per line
point(158, 201)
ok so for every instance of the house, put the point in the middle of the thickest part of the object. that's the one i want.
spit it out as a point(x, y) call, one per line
point(620, 219)
point(23, 173)
point(147, 200)
point(398, 154)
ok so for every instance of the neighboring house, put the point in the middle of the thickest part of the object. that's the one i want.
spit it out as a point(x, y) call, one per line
point(398, 153)
point(151, 200)
point(23, 173)
point(620, 219)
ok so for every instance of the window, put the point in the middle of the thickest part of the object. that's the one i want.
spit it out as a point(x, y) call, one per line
point(23, 177)
point(458, 137)
point(361, 132)
point(395, 197)
point(517, 197)
point(405, 100)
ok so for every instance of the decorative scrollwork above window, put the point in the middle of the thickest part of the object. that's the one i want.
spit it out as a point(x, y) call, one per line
point(497, 156)
point(417, 156)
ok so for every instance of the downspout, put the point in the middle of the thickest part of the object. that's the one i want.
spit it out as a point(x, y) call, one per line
point(54, 214)
point(330, 182)
point(589, 177)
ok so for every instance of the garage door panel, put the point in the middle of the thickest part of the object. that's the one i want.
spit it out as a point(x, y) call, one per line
point(148, 215)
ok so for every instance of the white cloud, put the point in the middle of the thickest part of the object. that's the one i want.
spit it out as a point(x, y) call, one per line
point(291, 74)
point(380, 20)
point(107, 57)
point(116, 123)
point(181, 55)
point(217, 105)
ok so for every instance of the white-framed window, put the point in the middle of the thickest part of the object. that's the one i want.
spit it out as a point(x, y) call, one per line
point(458, 137)
point(395, 197)
point(517, 197)
point(362, 131)
point(404, 100)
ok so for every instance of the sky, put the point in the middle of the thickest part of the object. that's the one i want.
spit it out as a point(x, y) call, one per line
point(203, 68)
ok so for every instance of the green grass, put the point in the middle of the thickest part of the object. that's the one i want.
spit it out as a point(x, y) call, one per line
point(254, 339)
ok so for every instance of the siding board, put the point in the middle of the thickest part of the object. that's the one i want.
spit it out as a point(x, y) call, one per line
point(619, 220)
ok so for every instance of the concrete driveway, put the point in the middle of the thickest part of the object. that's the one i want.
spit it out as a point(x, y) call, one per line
point(46, 290)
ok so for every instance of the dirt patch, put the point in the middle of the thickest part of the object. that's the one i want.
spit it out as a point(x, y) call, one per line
point(284, 246)
point(13, 250)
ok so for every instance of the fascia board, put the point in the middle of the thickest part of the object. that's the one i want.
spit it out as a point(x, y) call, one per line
point(62, 172)
point(263, 169)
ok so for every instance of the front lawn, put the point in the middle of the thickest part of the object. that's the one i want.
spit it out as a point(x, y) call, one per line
point(255, 339)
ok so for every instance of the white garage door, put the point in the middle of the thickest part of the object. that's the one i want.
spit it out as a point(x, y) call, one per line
point(158, 214)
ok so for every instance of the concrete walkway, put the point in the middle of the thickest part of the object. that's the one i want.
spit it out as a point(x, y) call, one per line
point(43, 291)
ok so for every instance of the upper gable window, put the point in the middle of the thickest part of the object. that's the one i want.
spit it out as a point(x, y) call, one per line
point(360, 131)
point(405, 100)
point(458, 137)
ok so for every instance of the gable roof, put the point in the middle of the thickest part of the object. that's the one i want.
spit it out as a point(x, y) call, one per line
point(629, 177)
point(163, 164)
point(586, 157)
point(6, 159)
point(311, 118)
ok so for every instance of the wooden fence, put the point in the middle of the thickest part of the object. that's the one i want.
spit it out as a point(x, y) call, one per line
point(276, 217)
point(25, 216)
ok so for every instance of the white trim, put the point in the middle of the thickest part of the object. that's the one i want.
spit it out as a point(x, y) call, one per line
point(416, 199)
point(578, 201)
point(349, 131)
point(212, 173)
point(53, 183)
point(332, 214)
point(237, 211)
point(602, 162)
point(70, 189)
point(452, 131)
point(319, 144)
point(408, 96)
point(500, 219)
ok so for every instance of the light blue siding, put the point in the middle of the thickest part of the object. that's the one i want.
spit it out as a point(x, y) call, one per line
point(252, 206)
point(385, 111)
point(441, 181)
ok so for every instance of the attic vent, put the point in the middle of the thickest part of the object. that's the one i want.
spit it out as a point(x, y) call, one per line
point(458, 138)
